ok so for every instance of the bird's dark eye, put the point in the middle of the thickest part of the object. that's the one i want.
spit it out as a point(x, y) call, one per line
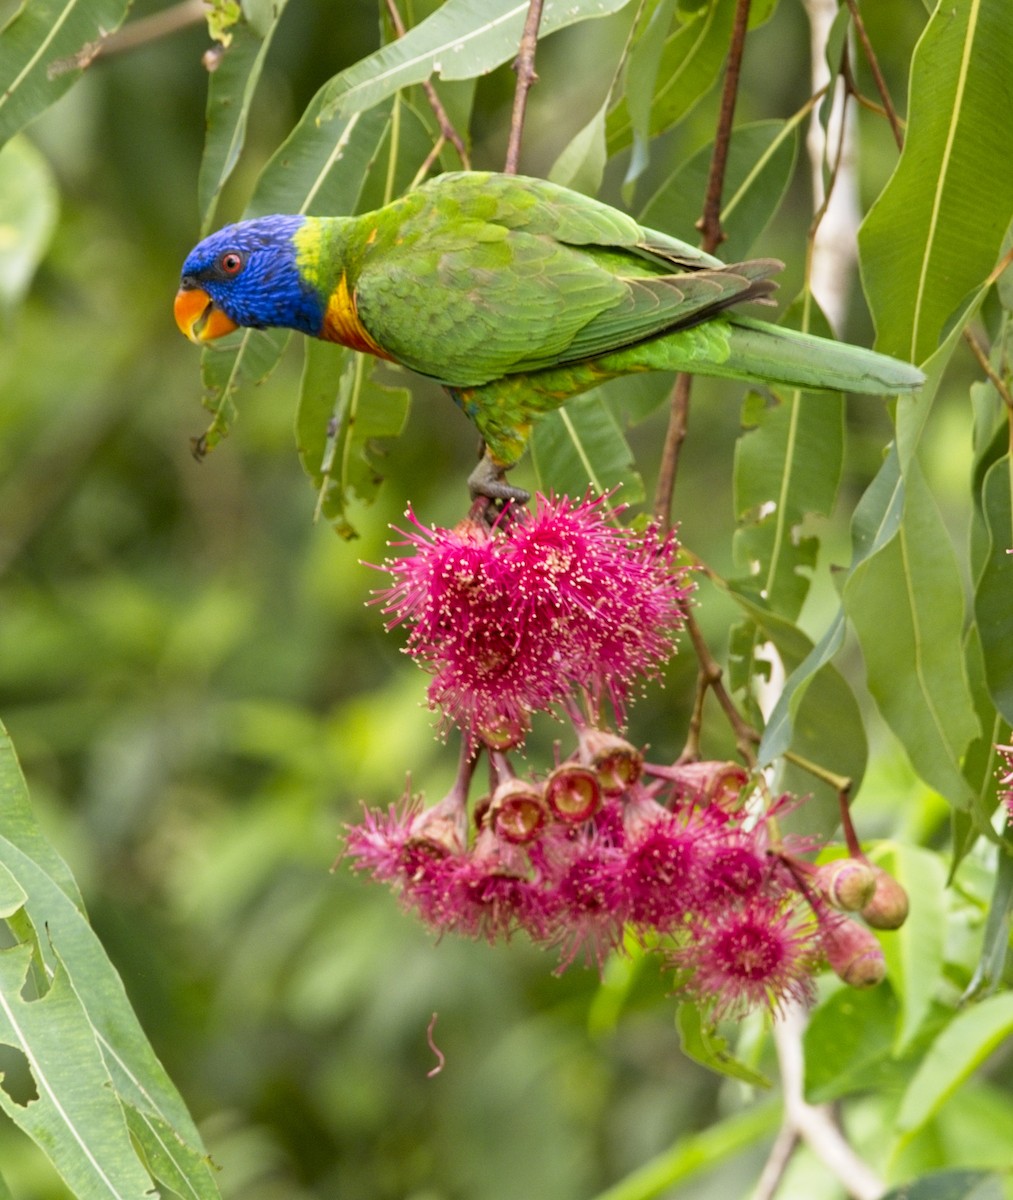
point(231, 262)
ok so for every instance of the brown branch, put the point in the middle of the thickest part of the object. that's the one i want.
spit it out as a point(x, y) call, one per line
point(158, 25)
point(877, 74)
point(678, 423)
point(710, 223)
point(524, 66)
point(712, 235)
point(994, 378)
point(448, 133)
point(712, 676)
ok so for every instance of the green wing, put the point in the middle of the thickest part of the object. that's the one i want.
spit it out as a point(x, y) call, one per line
point(481, 276)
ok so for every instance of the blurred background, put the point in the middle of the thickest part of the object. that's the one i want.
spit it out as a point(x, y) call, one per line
point(201, 696)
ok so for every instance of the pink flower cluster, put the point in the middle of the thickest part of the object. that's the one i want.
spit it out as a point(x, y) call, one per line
point(562, 610)
point(516, 618)
point(586, 855)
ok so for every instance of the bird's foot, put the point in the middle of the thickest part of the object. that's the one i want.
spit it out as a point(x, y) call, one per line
point(487, 481)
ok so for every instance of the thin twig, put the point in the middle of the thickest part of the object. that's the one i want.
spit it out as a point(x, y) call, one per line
point(524, 65)
point(814, 1125)
point(877, 74)
point(691, 749)
point(678, 423)
point(710, 222)
point(712, 675)
point(152, 28)
point(778, 1161)
point(447, 131)
point(994, 378)
point(712, 235)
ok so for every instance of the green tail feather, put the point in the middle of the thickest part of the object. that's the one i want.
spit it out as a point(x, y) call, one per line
point(773, 354)
point(731, 347)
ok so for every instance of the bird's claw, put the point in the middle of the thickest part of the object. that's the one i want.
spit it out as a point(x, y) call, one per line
point(487, 481)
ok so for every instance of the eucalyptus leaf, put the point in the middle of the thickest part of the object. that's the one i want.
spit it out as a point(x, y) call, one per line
point(230, 92)
point(581, 446)
point(460, 40)
point(89, 1058)
point(29, 203)
point(342, 412)
point(965, 1043)
point(906, 603)
point(787, 465)
point(705, 1045)
point(761, 161)
point(994, 587)
point(44, 48)
point(936, 230)
point(951, 1185)
point(914, 953)
point(75, 1116)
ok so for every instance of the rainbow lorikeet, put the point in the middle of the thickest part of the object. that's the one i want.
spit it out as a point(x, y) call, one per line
point(515, 294)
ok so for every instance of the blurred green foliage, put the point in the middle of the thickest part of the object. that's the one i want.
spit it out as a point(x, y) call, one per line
point(201, 696)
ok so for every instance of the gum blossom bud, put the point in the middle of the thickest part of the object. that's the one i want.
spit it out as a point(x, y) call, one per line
point(847, 883)
point(853, 953)
point(888, 907)
point(573, 793)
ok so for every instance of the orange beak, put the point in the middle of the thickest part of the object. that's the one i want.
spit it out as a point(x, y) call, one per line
point(199, 318)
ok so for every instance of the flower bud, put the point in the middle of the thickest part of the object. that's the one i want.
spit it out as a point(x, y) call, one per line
point(614, 760)
point(847, 883)
point(573, 793)
point(853, 953)
point(888, 907)
point(516, 812)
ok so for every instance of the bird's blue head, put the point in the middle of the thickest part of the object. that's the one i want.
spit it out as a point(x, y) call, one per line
point(247, 275)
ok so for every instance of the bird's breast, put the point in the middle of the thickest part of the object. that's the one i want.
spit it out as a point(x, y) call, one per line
point(342, 323)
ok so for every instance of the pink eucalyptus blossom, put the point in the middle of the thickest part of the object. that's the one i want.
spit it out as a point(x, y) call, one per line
point(513, 620)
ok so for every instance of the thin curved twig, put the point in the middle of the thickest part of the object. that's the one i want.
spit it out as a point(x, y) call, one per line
point(524, 65)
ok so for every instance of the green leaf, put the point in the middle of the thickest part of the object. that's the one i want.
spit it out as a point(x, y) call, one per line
point(702, 1043)
point(961, 1048)
point(581, 446)
point(462, 39)
point(839, 1064)
point(914, 953)
point(230, 93)
point(242, 360)
point(995, 943)
point(761, 161)
point(342, 412)
point(44, 47)
point(907, 605)
point(641, 79)
point(89, 1057)
point(780, 727)
point(827, 725)
point(582, 162)
point(950, 1185)
point(691, 59)
point(787, 466)
point(28, 209)
point(697, 1153)
point(992, 609)
point(75, 1118)
point(935, 231)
